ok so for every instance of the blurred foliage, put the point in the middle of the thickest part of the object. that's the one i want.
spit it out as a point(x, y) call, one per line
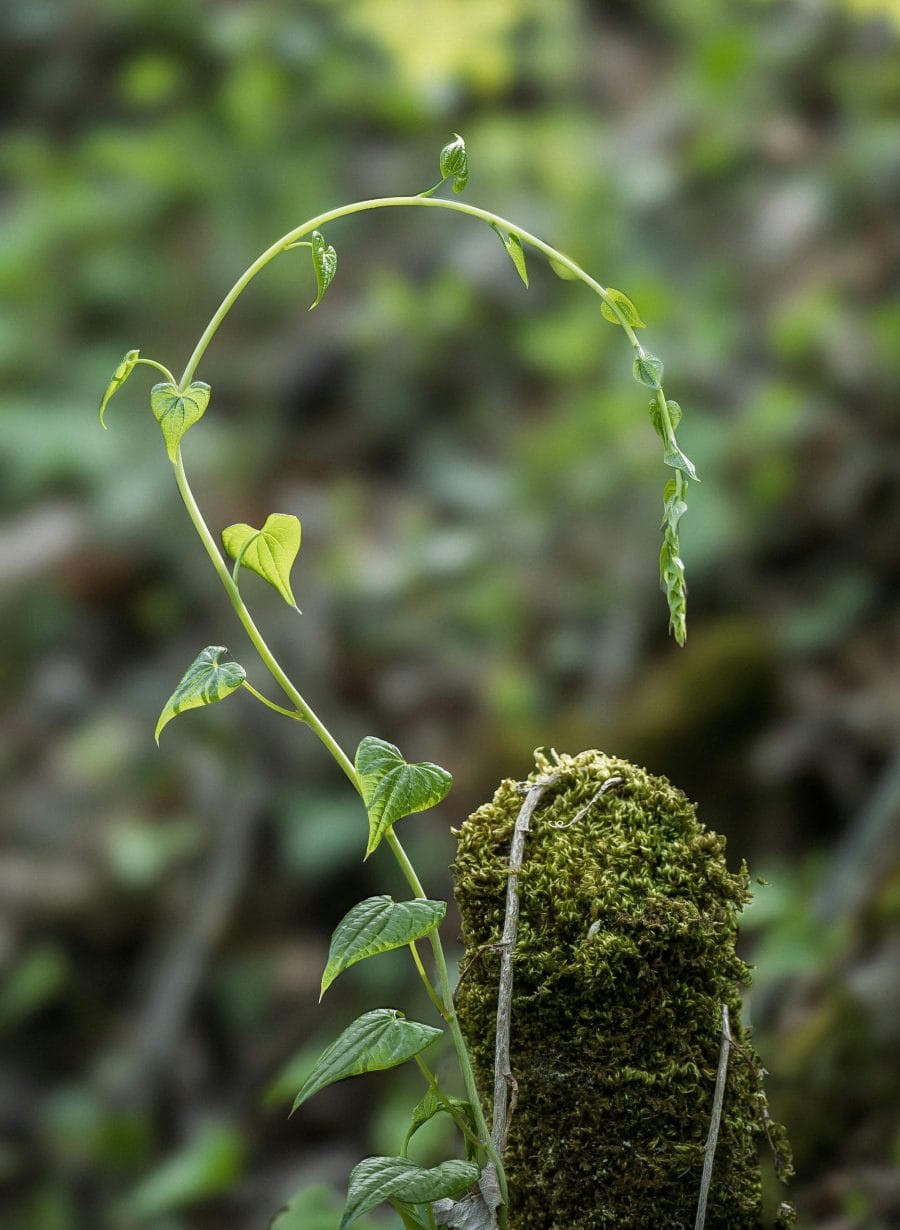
point(478, 485)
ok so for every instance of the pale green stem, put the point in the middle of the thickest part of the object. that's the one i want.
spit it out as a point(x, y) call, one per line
point(291, 713)
point(160, 367)
point(386, 202)
point(432, 994)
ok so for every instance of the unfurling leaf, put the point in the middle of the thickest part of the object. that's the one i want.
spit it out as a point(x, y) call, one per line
point(384, 1178)
point(625, 306)
point(392, 788)
point(324, 259)
point(678, 461)
point(674, 413)
point(377, 925)
point(648, 370)
point(455, 162)
point(563, 271)
point(513, 245)
point(429, 1106)
point(204, 682)
point(177, 410)
point(375, 1041)
point(119, 376)
point(269, 552)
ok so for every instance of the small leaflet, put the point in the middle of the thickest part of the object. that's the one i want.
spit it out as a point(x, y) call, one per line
point(625, 306)
point(454, 163)
point(177, 410)
point(324, 259)
point(513, 245)
point(119, 376)
point(648, 370)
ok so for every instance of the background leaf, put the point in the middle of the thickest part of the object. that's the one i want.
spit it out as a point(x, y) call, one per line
point(392, 788)
point(376, 925)
point(375, 1041)
point(269, 552)
point(204, 682)
point(378, 1178)
point(178, 410)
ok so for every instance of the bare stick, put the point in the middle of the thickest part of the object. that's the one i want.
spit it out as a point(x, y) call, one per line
point(503, 1078)
point(609, 784)
point(716, 1119)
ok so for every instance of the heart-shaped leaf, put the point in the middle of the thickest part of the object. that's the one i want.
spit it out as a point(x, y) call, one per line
point(177, 410)
point(392, 788)
point(381, 1178)
point(454, 162)
point(679, 461)
point(324, 259)
point(376, 925)
point(269, 552)
point(626, 307)
point(648, 370)
point(374, 1041)
point(431, 1105)
point(204, 682)
point(513, 245)
point(119, 376)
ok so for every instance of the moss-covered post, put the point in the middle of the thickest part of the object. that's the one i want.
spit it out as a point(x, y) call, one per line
point(624, 959)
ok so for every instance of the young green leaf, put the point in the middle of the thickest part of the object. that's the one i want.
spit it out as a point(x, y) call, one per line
point(392, 788)
point(204, 682)
point(648, 370)
point(513, 245)
point(563, 271)
point(324, 259)
point(269, 552)
point(119, 376)
point(431, 1105)
point(376, 925)
point(626, 307)
point(678, 461)
point(177, 410)
point(674, 413)
point(380, 1178)
point(408, 1217)
point(374, 1041)
point(455, 162)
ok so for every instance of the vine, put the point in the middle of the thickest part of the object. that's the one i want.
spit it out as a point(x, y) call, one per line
point(389, 786)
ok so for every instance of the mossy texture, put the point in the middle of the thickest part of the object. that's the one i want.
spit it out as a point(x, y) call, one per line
point(624, 958)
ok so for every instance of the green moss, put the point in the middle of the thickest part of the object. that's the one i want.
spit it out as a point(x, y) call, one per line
point(625, 954)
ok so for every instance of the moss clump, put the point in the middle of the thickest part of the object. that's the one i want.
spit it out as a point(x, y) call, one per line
point(625, 954)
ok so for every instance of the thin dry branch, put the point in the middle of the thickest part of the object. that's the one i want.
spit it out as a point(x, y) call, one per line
point(715, 1120)
point(503, 1078)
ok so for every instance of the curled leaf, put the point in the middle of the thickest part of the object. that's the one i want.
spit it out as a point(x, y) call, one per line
point(563, 271)
point(204, 682)
point(269, 552)
point(392, 788)
point(119, 376)
point(454, 162)
point(627, 309)
point(648, 370)
point(679, 461)
point(324, 259)
point(513, 245)
point(374, 1041)
point(177, 410)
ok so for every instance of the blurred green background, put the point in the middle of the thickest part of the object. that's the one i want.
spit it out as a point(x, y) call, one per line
point(479, 488)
